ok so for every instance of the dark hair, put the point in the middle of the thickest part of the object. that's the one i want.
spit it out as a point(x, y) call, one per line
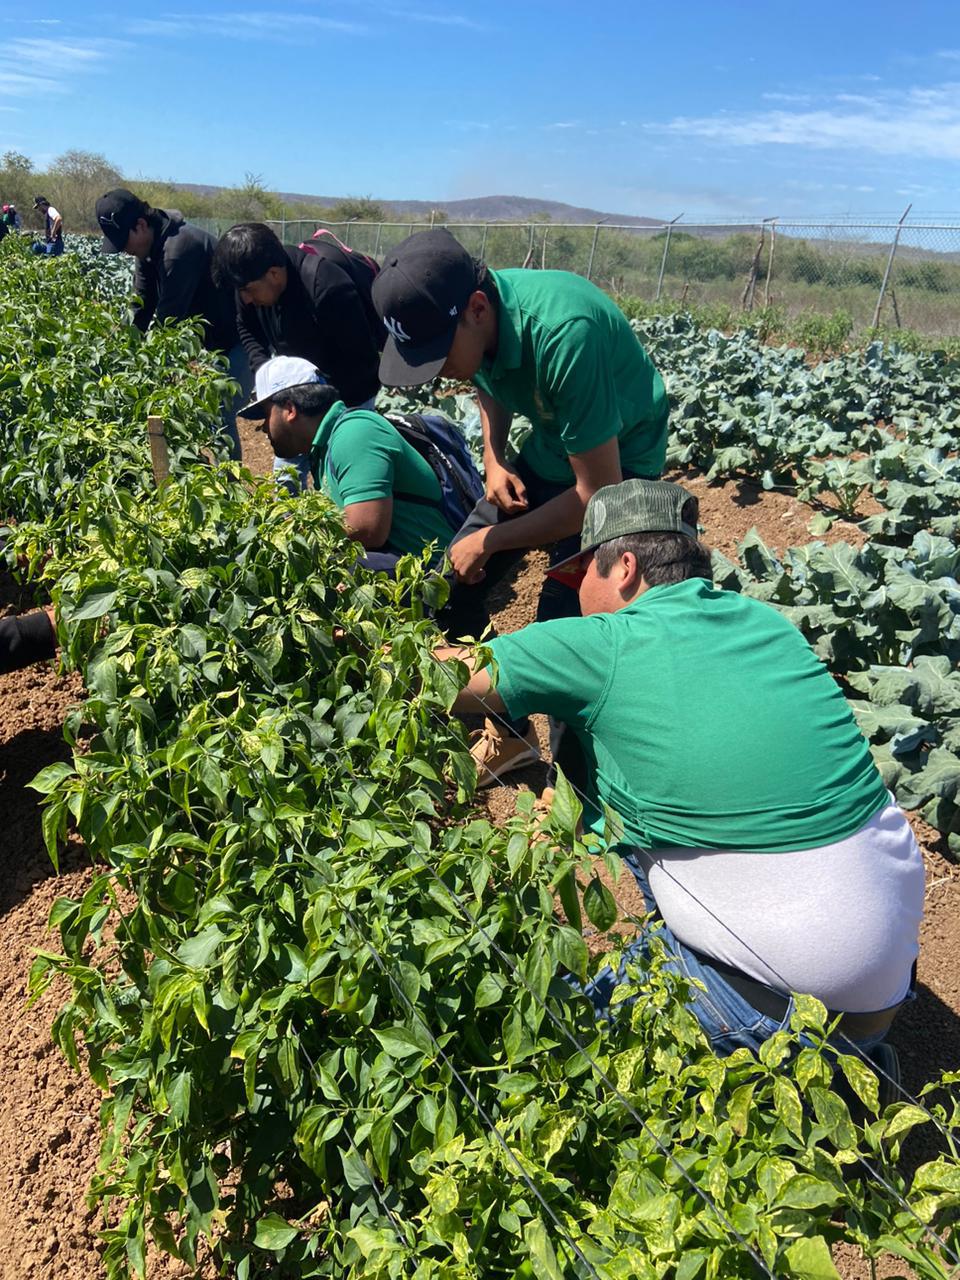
point(311, 398)
point(484, 284)
point(662, 558)
point(485, 281)
point(246, 252)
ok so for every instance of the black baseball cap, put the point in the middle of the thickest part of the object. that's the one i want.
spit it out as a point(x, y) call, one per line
point(117, 214)
point(420, 294)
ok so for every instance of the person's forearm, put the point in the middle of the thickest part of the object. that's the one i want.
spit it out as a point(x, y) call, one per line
point(495, 422)
point(478, 696)
point(556, 519)
point(25, 640)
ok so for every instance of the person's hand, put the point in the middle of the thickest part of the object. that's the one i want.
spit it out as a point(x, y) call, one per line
point(469, 555)
point(504, 488)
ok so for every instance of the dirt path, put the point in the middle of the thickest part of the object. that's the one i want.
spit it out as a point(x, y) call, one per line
point(48, 1124)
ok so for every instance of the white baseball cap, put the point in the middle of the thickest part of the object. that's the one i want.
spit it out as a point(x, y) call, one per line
point(279, 374)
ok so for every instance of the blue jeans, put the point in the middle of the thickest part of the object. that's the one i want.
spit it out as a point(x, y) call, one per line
point(49, 248)
point(728, 1019)
point(300, 465)
point(241, 373)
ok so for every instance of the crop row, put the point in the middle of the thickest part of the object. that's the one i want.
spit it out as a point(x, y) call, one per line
point(334, 1013)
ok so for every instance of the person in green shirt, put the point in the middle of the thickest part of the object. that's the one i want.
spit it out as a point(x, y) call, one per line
point(754, 818)
point(548, 345)
point(389, 494)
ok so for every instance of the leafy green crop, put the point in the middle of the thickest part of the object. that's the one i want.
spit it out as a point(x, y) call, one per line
point(334, 1013)
point(742, 408)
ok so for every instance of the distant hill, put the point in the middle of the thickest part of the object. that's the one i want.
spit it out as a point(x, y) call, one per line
point(478, 209)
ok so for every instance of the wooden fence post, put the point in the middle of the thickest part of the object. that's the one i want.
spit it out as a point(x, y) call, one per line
point(159, 454)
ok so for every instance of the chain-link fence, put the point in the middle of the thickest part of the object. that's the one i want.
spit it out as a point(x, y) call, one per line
point(896, 274)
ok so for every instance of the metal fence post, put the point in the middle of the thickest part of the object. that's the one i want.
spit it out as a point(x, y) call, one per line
point(886, 274)
point(376, 247)
point(483, 240)
point(663, 260)
point(593, 249)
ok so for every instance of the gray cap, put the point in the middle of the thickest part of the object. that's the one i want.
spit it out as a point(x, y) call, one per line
point(633, 506)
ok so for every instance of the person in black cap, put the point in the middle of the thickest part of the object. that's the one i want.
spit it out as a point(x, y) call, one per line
point(173, 280)
point(52, 242)
point(307, 301)
point(545, 344)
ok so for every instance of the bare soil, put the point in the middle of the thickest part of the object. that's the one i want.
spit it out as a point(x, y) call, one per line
point(49, 1123)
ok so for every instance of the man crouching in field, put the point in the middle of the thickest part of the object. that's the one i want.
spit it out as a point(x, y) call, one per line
point(756, 822)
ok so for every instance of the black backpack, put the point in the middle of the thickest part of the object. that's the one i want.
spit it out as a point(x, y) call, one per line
point(441, 444)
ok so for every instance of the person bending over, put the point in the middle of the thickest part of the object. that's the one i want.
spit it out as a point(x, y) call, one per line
point(546, 344)
point(309, 302)
point(173, 280)
point(755, 820)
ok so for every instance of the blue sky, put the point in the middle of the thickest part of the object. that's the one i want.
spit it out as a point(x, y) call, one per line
point(713, 107)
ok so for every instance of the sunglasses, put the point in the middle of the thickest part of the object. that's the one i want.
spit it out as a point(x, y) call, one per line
point(572, 573)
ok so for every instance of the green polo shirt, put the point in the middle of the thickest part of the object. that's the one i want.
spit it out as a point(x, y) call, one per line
point(707, 721)
point(568, 360)
point(357, 456)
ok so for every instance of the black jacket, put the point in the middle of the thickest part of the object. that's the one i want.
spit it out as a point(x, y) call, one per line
point(325, 315)
point(175, 281)
point(26, 640)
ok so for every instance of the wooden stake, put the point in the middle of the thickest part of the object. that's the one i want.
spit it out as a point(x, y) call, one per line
point(159, 454)
point(896, 309)
point(773, 245)
point(746, 300)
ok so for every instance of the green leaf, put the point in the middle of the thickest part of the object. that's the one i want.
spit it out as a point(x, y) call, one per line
point(94, 602)
point(442, 1194)
point(542, 1254)
point(178, 1096)
point(489, 990)
point(50, 778)
point(862, 1080)
point(787, 1103)
point(809, 1259)
point(565, 811)
point(599, 904)
point(807, 1192)
point(569, 895)
point(274, 1233)
point(401, 1042)
point(381, 1137)
point(570, 950)
point(906, 1118)
point(197, 951)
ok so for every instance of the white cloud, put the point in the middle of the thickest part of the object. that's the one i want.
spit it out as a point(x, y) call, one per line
point(794, 99)
point(45, 64)
point(435, 18)
point(252, 25)
point(917, 123)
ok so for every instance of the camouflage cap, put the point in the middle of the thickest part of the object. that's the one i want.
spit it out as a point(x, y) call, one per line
point(633, 506)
